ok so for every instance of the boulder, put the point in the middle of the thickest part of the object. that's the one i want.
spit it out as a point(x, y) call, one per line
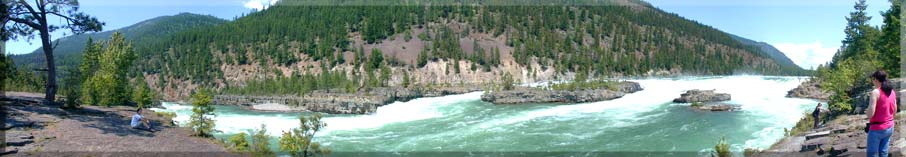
point(696, 95)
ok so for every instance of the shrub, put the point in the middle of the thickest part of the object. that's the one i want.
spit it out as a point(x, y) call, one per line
point(260, 144)
point(298, 141)
point(238, 142)
point(722, 149)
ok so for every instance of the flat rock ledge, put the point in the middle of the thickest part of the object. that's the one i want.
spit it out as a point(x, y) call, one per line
point(697, 95)
point(532, 95)
point(336, 101)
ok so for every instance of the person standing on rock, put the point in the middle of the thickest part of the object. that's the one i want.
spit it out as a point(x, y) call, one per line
point(816, 115)
point(880, 111)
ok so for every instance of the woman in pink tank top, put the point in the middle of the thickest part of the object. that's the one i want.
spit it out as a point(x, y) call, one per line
point(880, 111)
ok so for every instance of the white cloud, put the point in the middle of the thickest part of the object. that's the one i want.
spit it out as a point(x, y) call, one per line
point(259, 4)
point(807, 55)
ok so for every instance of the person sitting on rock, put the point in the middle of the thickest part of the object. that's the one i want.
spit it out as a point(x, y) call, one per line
point(139, 121)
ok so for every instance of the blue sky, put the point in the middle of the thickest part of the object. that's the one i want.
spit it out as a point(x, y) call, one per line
point(808, 31)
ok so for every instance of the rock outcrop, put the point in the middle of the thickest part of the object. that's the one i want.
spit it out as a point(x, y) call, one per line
point(697, 95)
point(533, 95)
point(335, 101)
point(810, 89)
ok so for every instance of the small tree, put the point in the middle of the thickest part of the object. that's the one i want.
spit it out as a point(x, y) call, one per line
point(202, 109)
point(260, 144)
point(142, 93)
point(298, 142)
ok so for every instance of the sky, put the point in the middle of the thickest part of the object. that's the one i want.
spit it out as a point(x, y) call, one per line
point(807, 31)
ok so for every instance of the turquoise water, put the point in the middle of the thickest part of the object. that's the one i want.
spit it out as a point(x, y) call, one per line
point(646, 121)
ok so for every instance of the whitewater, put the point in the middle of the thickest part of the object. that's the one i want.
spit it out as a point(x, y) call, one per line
point(647, 120)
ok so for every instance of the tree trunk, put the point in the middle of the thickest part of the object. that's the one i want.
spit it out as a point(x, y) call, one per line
point(50, 89)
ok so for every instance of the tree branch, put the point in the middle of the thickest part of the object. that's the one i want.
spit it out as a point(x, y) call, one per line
point(26, 22)
point(30, 9)
point(66, 17)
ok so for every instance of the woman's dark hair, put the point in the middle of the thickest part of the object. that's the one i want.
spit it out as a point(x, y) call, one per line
point(881, 76)
point(138, 110)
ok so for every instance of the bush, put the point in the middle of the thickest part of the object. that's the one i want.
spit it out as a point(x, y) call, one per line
point(722, 149)
point(261, 145)
point(804, 124)
point(238, 143)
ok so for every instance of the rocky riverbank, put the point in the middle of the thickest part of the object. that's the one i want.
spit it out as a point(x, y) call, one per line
point(840, 137)
point(535, 95)
point(336, 101)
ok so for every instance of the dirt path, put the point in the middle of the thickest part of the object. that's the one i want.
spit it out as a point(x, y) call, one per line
point(31, 128)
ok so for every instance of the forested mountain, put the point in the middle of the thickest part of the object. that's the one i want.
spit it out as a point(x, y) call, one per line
point(770, 50)
point(69, 49)
point(295, 46)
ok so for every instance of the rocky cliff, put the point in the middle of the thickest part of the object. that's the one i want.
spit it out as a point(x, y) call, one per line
point(535, 95)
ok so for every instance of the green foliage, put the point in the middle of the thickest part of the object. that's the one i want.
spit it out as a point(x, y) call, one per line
point(294, 85)
point(803, 125)
point(298, 142)
point(406, 81)
point(72, 87)
point(864, 50)
point(508, 82)
point(260, 143)
point(238, 143)
point(142, 94)
point(105, 66)
point(6, 66)
point(581, 83)
point(201, 121)
point(722, 148)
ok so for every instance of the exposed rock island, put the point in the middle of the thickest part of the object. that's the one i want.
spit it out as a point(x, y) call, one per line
point(697, 95)
point(704, 100)
point(537, 95)
point(336, 101)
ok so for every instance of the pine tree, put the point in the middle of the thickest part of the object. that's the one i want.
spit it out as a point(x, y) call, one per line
point(201, 121)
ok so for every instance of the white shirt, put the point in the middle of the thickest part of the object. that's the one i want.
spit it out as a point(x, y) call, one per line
point(136, 120)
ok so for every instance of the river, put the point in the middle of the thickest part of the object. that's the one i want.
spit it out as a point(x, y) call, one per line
point(645, 121)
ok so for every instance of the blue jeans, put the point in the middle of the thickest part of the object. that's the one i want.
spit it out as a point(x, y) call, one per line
point(878, 142)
